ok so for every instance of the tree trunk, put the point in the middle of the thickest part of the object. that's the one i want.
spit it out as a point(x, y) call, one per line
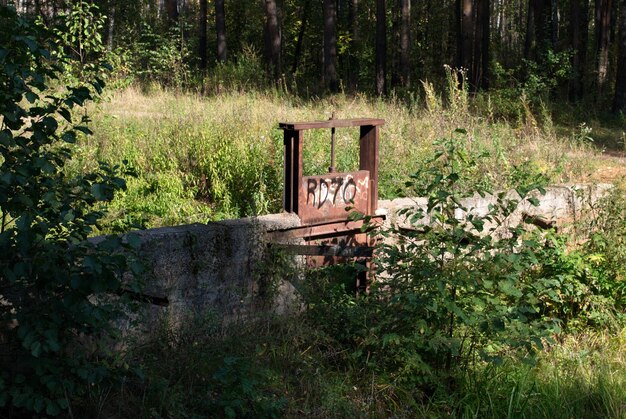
point(554, 22)
point(330, 45)
point(220, 30)
point(578, 36)
point(202, 41)
point(474, 41)
point(467, 33)
point(111, 28)
point(354, 45)
point(405, 41)
point(542, 13)
point(171, 8)
point(603, 39)
point(395, 44)
point(485, 22)
point(381, 48)
point(301, 32)
point(619, 102)
point(530, 30)
point(538, 29)
point(272, 39)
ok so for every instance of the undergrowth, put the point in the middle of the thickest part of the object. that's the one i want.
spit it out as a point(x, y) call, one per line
point(469, 317)
point(201, 158)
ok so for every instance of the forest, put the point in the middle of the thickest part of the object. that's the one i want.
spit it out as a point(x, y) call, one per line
point(119, 116)
point(563, 50)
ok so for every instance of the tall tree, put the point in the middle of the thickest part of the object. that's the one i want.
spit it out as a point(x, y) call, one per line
point(111, 27)
point(539, 29)
point(603, 40)
point(300, 40)
point(381, 48)
point(272, 39)
point(619, 102)
point(484, 21)
point(578, 37)
point(405, 41)
point(466, 34)
point(355, 45)
point(171, 8)
point(220, 30)
point(554, 22)
point(473, 42)
point(330, 45)
point(202, 41)
point(530, 30)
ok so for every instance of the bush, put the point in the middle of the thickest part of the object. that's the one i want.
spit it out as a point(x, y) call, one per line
point(57, 290)
point(458, 286)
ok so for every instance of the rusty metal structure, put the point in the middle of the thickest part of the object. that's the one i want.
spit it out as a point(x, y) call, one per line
point(322, 202)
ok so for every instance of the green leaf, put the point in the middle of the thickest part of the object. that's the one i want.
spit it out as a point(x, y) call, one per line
point(36, 349)
point(69, 137)
point(65, 113)
point(31, 97)
point(134, 240)
point(508, 287)
point(52, 408)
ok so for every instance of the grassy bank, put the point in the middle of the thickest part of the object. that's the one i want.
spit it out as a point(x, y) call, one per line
point(290, 369)
point(205, 158)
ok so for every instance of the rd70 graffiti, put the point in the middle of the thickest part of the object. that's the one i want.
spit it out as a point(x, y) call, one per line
point(328, 196)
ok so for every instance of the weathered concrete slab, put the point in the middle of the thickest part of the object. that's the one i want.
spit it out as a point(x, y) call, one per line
point(210, 267)
point(225, 267)
point(559, 205)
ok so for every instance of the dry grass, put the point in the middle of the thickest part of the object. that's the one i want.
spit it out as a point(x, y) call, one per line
point(221, 156)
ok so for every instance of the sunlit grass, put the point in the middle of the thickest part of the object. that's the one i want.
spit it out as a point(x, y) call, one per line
point(221, 156)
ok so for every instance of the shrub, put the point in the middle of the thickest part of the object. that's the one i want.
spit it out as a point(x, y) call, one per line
point(457, 286)
point(56, 288)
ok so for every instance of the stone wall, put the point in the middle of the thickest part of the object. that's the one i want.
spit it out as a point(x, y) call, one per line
point(221, 266)
point(213, 266)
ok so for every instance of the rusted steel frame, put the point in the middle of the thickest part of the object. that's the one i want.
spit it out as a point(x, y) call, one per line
point(325, 250)
point(368, 160)
point(332, 168)
point(293, 169)
point(334, 228)
point(333, 123)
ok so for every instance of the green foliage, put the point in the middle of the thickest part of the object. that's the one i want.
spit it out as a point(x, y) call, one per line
point(245, 73)
point(239, 392)
point(458, 286)
point(194, 369)
point(57, 289)
point(605, 252)
point(544, 76)
point(158, 57)
point(78, 38)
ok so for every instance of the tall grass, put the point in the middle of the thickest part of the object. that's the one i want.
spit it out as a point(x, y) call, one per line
point(204, 158)
point(286, 367)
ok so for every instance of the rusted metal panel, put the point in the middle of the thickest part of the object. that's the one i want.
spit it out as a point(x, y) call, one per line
point(331, 123)
point(328, 197)
point(338, 228)
point(292, 169)
point(322, 201)
point(326, 250)
point(368, 160)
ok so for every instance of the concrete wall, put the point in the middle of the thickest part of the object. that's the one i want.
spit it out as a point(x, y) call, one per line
point(559, 206)
point(224, 266)
point(214, 267)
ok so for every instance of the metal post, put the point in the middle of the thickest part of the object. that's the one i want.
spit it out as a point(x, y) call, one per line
point(332, 169)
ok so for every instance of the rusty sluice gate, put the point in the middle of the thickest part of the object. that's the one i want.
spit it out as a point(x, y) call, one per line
point(323, 201)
